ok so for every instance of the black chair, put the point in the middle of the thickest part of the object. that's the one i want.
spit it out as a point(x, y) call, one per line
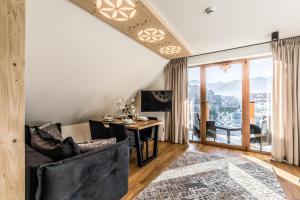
point(98, 130)
point(255, 135)
point(196, 126)
point(146, 136)
point(120, 132)
point(211, 130)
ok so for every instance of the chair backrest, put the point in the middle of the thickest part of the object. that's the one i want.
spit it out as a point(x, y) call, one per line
point(118, 131)
point(198, 116)
point(210, 124)
point(98, 130)
point(254, 129)
point(152, 118)
point(148, 132)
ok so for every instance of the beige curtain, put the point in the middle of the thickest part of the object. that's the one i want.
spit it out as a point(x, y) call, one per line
point(177, 120)
point(286, 100)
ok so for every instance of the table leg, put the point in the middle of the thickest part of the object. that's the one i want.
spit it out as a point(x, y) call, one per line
point(138, 147)
point(155, 148)
point(228, 136)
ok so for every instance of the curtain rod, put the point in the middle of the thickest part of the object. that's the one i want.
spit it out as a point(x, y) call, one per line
point(202, 54)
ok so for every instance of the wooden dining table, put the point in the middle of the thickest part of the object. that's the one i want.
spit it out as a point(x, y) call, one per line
point(136, 127)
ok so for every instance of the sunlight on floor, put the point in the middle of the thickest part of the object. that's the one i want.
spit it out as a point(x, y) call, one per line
point(251, 184)
point(279, 172)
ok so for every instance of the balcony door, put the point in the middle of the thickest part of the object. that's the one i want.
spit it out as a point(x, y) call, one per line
point(222, 105)
point(231, 104)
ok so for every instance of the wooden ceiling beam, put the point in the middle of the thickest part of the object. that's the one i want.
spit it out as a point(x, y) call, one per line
point(143, 19)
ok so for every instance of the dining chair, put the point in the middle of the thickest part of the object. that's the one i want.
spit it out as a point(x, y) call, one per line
point(98, 130)
point(121, 132)
point(147, 136)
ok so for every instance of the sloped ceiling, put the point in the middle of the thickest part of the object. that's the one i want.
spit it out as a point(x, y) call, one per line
point(235, 22)
point(77, 66)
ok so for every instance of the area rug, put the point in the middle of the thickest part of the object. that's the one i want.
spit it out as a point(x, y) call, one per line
point(197, 175)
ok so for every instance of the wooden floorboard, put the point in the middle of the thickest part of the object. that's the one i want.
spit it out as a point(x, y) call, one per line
point(139, 178)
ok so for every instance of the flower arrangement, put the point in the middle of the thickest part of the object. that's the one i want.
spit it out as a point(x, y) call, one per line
point(127, 109)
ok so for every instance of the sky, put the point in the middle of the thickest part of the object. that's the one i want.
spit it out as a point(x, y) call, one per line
point(258, 68)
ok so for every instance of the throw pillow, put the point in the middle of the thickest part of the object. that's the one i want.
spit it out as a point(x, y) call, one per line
point(52, 130)
point(66, 149)
point(42, 145)
point(42, 142)
point(96, 144)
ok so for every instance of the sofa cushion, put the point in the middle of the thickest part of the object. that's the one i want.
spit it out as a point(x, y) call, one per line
point(96, 144)
point(33, 160)
point(42, 145)
point(66, 149)
point(42, 142)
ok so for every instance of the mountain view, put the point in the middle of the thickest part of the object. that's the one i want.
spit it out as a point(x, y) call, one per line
point(257, 85)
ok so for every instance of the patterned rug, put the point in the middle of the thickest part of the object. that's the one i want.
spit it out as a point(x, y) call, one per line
point(205, 176)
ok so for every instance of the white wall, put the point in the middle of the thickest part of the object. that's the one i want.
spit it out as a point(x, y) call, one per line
point(77, 66)
point(246, 52)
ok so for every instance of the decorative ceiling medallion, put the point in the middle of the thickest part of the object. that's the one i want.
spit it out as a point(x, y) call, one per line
point(170, 50)
point(118, 10)
point(151, 35)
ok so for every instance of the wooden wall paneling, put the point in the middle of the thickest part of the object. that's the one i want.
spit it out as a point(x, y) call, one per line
point(12, 156)
point(245, 105)
point(143, 19)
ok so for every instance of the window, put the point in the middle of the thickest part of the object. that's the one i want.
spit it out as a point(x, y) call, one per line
point(237, 98)
point(260, 108)
point(194, 103)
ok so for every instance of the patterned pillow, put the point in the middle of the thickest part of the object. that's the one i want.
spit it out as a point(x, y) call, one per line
point(53, 131)
point(96, 144)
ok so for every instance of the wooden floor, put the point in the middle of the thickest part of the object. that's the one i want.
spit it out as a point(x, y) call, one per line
point(139, 178)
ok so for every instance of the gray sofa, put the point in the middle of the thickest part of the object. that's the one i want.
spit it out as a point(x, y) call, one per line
point(94, 175)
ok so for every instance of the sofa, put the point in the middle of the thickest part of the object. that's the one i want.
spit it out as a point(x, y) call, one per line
point(97, 174)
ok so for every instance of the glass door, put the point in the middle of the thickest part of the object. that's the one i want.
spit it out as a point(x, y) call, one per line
point(230, 104)
point(223, 106)
point(194, 84)
point(260, 106)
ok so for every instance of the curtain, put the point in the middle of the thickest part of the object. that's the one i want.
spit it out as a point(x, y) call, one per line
point(177, 120)
point(286, 100)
